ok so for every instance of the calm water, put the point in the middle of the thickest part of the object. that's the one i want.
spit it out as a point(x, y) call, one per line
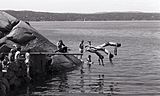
point(135, 70)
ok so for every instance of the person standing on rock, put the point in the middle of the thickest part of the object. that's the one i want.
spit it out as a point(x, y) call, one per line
point(2, 57)
point(17, 55)
point(27, 62)
point(11, 56)
point(1, 64)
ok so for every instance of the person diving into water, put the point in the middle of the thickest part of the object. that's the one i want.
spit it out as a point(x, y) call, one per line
point(102, 46)
point(116, 45)
point(94, 49)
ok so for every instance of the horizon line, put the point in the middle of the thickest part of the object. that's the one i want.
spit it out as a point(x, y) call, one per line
point(85, 12)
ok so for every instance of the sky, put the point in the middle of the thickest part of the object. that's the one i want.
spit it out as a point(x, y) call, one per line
point(82, 6)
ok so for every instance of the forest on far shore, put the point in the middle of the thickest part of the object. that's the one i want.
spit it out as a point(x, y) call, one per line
point(108, 16)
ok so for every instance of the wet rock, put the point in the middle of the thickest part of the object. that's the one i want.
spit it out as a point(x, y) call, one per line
point(2, 90)
point(17, 32)
point(7, 22)
point(4, 87)
point(9, 75)
point(6, 83)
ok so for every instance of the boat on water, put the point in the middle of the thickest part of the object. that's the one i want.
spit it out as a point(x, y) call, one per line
point(17, 32)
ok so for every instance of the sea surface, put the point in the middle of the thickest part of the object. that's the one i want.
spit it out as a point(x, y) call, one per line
point(135, 70)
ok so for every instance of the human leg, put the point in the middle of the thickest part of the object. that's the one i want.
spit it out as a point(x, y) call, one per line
point(102, 61)
point(81, 51)
point(116, 45)
point(115, 50)
point(101, 46)
point(110, 56)
point(28, 74)
point(99, 61)
point(106, 51)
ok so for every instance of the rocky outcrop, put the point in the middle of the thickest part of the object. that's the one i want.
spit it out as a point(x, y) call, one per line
point(14, 31)
point(17, 32)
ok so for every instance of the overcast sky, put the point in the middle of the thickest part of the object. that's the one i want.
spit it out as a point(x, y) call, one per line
point(81, 6)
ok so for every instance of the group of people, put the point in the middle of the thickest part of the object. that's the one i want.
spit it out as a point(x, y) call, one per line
point(61, 47)
point(96, 49)
point(14, 56)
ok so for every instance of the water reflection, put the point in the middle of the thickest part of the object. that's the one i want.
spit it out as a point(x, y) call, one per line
point(82, 80)
point(56, 83)
point(28, 91)
point(113, 88)
point(88, 82)
point(100, 83)
point(95, 85)
point(63, 84)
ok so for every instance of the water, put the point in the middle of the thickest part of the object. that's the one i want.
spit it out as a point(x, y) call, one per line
point(135, 70)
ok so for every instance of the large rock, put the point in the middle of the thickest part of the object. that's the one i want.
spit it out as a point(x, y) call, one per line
point(7, 22)
point(14, 31)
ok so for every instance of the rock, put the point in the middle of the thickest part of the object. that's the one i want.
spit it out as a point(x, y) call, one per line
point(13, 67)
point(6, 83)
point(17, 82)
point(12, 80)
point(17, 32)
point(2, 90)
point(4, 87)
point(7, 22)
point(9, 75)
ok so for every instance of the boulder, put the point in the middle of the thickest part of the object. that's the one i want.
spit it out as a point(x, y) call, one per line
point(6, 83)
point(7, 22)
point(17, 32)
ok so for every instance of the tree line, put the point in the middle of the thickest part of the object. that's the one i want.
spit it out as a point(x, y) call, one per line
point(109, 16)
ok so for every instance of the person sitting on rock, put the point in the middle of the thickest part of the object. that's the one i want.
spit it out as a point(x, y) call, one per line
point(61, 47)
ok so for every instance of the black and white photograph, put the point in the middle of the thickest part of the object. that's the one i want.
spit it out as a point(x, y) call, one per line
point(80, 48)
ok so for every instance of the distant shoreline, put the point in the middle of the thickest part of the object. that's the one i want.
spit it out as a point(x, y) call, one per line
point(108, 16)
